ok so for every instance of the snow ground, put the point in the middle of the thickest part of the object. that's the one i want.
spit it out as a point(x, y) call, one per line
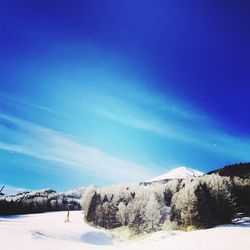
point(48, 231)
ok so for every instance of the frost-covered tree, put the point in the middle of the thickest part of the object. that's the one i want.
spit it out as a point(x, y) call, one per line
point(136, 211)
point(122, 213)
point(152, 213)
point(205, 201)
point(184, 205)
point(86, 201)
point(241, 190)
point(220, 198)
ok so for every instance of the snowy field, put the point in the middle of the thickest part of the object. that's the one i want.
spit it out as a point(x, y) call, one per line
point(48, 231)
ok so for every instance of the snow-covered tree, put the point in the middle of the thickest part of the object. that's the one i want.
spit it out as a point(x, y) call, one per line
point(86, 200)
point(184, 204)
point(122, 214)
point(204, 201)
point(152, 213)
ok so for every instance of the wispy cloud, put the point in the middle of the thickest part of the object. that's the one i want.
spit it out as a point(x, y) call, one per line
point(49, 145)
point(174, 121)
point(165, 118)
point(15, 100)
point(143, 114)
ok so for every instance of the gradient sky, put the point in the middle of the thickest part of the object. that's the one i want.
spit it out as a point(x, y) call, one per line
point(104, 92)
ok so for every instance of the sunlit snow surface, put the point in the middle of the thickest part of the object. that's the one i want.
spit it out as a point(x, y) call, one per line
point(49, 231)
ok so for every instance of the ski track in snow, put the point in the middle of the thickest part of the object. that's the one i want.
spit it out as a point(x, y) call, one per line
point(49, 231)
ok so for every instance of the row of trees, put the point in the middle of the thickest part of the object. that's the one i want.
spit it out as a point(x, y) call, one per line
point(204, 202)
point(138, 207)
point(36, 202)
point(200, 202)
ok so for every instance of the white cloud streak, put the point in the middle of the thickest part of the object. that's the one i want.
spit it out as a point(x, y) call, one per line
point(49, 145)
point(174, 122)
point(13, 99)
point(139, 111)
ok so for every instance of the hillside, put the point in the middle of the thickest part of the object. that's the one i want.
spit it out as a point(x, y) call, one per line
point(241, 170)
point(43, 200)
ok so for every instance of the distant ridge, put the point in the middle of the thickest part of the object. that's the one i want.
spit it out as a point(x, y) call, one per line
point(42, 200)
point(241, 170)
point(178, 173)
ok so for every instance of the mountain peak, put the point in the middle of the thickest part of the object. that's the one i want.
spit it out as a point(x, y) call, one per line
point(181, 172)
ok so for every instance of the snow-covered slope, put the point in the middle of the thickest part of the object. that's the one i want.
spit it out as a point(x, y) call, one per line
point(48, 231)
point(178, 173)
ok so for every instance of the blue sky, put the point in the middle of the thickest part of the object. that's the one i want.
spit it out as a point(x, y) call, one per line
point(104, 92)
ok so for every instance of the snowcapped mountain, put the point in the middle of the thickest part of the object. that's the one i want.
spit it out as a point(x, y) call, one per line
point(178, 173)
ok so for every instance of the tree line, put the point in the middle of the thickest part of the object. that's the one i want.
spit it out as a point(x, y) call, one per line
point(200, 202)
